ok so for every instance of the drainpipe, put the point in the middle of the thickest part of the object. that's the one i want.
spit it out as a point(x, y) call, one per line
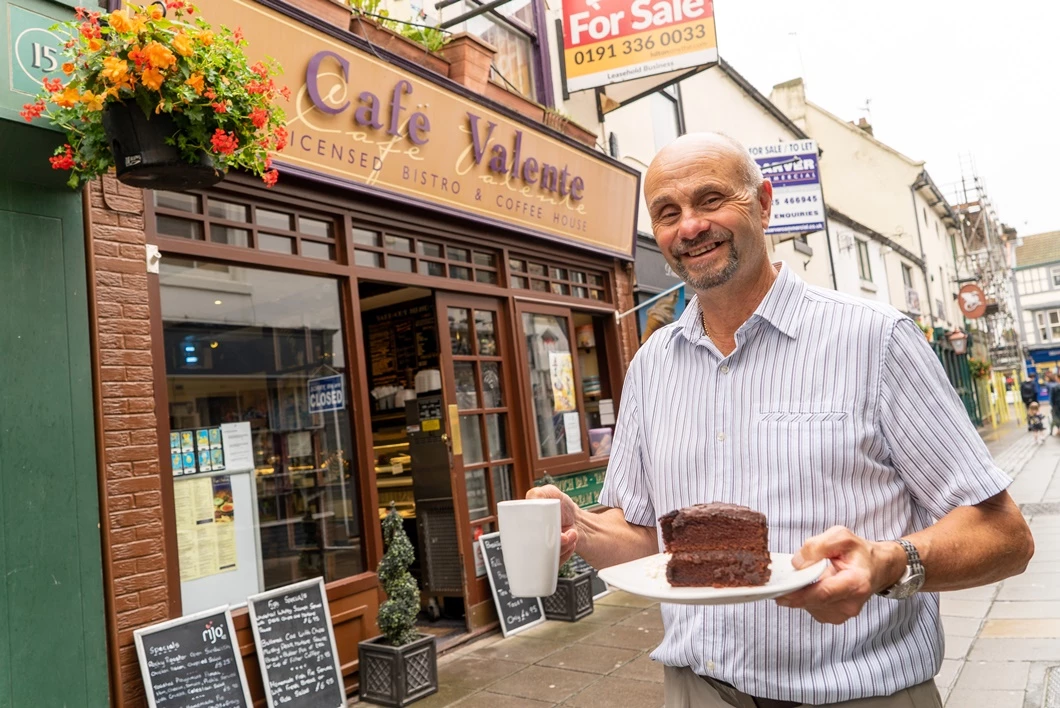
point(923, 258)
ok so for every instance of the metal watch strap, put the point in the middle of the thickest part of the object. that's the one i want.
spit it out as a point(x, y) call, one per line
point(913, 568)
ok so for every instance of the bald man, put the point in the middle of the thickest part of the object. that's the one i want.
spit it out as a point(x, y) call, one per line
point(829, 414)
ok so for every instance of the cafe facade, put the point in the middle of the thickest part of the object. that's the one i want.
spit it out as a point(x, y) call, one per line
point(419, 316)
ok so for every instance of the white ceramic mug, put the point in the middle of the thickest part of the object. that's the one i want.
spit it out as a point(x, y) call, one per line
point(530, 530)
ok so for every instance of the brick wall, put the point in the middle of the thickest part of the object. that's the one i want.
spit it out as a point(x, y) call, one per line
point(132, 501)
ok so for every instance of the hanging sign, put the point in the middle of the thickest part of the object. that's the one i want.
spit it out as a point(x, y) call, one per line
point(611, 41)
point(972, 301)
point(798, 205)
point(325, 394)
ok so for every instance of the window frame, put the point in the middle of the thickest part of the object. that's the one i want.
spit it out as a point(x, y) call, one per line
point(864, 264)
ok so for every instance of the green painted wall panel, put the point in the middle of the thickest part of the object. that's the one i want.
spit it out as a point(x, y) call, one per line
point(52, 641)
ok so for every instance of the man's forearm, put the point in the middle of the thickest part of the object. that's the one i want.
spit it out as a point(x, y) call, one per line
point(974, 545)
point(606, 538)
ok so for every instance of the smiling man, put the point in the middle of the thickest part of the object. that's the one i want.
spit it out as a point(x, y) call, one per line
point(829, 414)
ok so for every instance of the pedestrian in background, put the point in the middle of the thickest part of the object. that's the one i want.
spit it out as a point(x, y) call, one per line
point(1036, 422)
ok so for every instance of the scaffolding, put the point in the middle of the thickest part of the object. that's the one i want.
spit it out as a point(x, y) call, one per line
point(984, 257)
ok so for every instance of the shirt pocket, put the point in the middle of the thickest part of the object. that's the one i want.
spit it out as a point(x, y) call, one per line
point(803, 416)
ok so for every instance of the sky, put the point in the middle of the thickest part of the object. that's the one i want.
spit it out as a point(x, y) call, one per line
point(948, 81)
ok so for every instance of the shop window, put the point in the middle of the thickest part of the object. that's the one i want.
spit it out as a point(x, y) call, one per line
point(224, 219)
point(250, 351)
point(527, 274)
point(408, 254)
point(864, 265)
point(570, 388)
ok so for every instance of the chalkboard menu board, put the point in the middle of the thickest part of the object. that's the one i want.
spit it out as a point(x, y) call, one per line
point(193, 662)
point(599, 586)
point(296, 646)
point(516, 613)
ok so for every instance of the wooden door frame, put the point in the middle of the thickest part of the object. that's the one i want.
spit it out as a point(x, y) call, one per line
point(476, 589)
point(559, 464)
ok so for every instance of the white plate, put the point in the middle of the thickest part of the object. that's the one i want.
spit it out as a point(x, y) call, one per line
point(646, 577)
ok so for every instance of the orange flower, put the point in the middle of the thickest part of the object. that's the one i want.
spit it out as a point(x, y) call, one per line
point(153, 79)
point(112, 92)
point(196, 82)
point(95, 44)
point(68, 98)
point(182, 43)
point(115, 70)
point(206, 38)
point(158, 55)
point(119, 21)
point(68, 68)
point(92, 101)
point(156, 12)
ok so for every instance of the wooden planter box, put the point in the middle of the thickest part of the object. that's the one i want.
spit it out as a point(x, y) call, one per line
point(397, 676)
point(397, 44)
point(572, 600)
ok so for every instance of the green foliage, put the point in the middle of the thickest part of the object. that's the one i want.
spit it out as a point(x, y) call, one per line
point(980, 369)
point(181, 67)
point(430, 37)
point(397, 616)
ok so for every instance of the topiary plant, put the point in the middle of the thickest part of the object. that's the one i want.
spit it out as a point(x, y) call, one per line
point(397, 616)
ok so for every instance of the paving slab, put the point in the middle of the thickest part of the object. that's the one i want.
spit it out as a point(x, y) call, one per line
point(963, 698)
point(1005, 649)
point(475, 672)
point(565, 632)
point(650, 618)
point(625, 637)
point(961, 626)
point(525, 650)
point(1025, 628)
point(643, 669)
point(1024, 610)
point(624, 599)
point(611, 691)
point(596, 659)
point(964, 608)
point(994, 675)
point(487, 699)
point(957, 647)
point(544, 683)
point(608, 614)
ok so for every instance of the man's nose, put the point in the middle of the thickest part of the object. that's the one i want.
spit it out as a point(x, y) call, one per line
point(692, 225)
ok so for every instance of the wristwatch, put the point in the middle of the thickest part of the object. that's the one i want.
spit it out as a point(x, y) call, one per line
point(913, 578)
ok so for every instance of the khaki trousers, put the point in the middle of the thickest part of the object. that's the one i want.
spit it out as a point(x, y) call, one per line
point(685, 689)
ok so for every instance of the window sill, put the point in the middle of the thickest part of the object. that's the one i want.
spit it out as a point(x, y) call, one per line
point(869, 286)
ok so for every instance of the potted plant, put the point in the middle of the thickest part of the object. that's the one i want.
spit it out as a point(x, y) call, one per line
point(573, 598)
point(401, 665)
point(170, 102)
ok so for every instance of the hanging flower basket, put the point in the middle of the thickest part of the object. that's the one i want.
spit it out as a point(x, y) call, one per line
point(144, 156)
point(168, 102)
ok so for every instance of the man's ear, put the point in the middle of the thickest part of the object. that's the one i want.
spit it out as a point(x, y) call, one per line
point(765, 200)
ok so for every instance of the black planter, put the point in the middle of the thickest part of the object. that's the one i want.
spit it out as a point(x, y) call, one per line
point(572, 600)
point(142, 157)
point(397, 676)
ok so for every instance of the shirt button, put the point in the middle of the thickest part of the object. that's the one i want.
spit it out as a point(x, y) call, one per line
point(721, 437)
point(724, 368)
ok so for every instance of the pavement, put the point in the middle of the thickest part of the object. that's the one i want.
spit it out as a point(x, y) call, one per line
point(1002, 640)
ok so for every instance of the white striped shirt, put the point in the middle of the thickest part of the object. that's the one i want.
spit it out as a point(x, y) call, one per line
point(830, 411)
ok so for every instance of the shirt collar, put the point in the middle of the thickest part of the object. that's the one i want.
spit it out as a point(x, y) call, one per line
point(781, 307)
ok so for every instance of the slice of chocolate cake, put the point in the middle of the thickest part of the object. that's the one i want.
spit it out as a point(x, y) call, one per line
point(718, 545)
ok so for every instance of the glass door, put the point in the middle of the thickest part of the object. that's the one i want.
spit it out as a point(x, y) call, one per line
point(475, 378)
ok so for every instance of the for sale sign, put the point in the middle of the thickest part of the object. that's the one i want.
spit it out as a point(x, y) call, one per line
point(611, 41)
point(798, 205)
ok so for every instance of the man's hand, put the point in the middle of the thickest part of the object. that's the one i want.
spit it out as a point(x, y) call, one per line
point(567, 516)
point(858, 570)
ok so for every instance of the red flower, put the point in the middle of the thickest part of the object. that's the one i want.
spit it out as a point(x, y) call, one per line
point(261, 70)
point(281, 138)
point(238, 35)
point(32, 110)
point(259, 117)
point(52, 85)
point(256, 87)
point(286, 93)
point(220, 107)
point(90, 30)
point(209, 93)
point(175, 4)
point(81, 13)
point(270, 177)
point(224, 143)
point(64, 161)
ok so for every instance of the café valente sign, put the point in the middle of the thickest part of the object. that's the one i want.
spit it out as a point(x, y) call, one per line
point(356, 118)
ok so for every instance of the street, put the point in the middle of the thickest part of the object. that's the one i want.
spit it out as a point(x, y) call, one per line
point(1002, 640)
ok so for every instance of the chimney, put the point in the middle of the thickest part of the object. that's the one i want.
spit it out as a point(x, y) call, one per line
point(865, 125)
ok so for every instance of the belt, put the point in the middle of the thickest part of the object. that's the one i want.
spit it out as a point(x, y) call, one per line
point(759, 702)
